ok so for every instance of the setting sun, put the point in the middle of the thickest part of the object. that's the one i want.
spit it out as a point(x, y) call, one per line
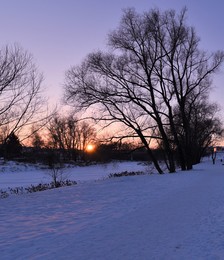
point(90, 148)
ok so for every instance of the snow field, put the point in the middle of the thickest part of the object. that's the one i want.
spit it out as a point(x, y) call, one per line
point(171, 216)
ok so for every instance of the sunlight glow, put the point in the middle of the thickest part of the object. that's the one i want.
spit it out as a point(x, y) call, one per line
point(90, 148)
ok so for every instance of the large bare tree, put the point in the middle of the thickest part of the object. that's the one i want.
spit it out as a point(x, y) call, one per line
point(153, 73)
point(21, 100)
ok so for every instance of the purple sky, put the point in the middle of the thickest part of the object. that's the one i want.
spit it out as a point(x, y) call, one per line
point(60, 33)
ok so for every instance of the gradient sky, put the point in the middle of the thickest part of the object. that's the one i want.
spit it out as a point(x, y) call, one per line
point(60, 33)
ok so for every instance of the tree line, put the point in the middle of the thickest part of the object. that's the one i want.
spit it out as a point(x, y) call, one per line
point(153, 84)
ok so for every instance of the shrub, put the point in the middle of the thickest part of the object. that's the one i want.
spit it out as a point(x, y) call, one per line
point(33, 188)
point(125, 173)
point(3, 194)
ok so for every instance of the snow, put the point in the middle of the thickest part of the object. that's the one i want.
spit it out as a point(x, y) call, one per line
point(170, 216)
point(14, 174)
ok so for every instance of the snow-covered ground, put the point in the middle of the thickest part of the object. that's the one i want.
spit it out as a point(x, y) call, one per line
point(170, 216)
point(14, 174)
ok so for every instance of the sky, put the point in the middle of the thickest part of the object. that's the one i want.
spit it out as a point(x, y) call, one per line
point(60, 33)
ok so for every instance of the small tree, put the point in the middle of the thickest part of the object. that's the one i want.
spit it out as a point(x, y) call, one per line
point(12, 147)
point(37, 141)
point(57, 175)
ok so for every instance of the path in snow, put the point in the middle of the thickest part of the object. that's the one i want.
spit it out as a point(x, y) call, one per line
point(173, 216)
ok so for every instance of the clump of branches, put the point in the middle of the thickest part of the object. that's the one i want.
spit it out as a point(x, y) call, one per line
point(35, 188)
point(125, 173)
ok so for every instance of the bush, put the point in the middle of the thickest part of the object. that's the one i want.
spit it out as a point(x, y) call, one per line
point(125, 173)
point(3, 194)
point(33, 188)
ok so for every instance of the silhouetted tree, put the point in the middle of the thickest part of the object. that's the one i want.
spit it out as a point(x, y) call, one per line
point(12, 147)
point(20, 91)
point(68, 134)
point(204, 126)
point(37, 141)
point(154, 73)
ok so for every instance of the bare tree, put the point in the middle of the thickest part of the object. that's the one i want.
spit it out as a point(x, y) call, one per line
point(205, 127)
point(62, 132)
point(69, 134)
point(37, 141)
point(21, 102)
point(154, 73)
point(87, 135)
point(185, 79)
